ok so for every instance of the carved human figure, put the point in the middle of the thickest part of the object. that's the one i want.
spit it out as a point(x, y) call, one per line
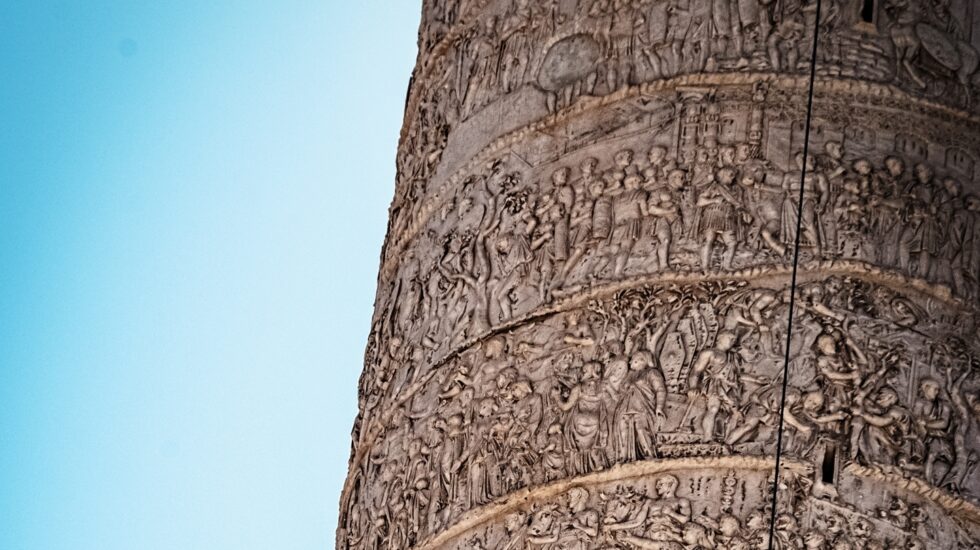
point(482, 66)
point(841, 364)
point(713, 384)
point(719, 218)
point(528, 409)
point(450, 461)
point(831, 166)
point(905, 15)
point(553, 453)
point(879, 428)
point(758, 410)
point(640, 411)
point(667, 515)
point(852, 219)
point(806, 419)
point(582, 214)
point(515, 32)
point(544, 528)
point(581, 528)
point(962, 244)
point(629, 209)
point(663, 213)
point(653, 38)
point(679, 26)
point(967, 407)
point(783, 43)
point(816, 196)
point(585, 424)
point(480, 456)
point(515, 527)
point(509, 265)
point(616, 372)
point(763, 208)
point(933, 419)
point(921, 234)
point(730, 532)
point(548, 245)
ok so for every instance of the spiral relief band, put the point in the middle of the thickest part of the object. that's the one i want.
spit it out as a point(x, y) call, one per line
point(676, 275)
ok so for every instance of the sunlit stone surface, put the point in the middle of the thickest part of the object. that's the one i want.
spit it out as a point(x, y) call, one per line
point(583, 304)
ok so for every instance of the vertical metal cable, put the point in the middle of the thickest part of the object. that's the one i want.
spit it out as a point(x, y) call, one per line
point(796, 264)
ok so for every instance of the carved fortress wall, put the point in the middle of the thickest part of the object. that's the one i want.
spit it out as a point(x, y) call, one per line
point(582, 335)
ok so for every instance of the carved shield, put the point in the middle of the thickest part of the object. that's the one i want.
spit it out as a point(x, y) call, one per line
point(568, 61)
point(940, 46)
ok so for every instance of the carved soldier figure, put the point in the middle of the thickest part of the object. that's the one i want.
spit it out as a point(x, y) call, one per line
point(719, 217)
point(553, 453)
point(679, 26)
point(831, 166)
point(653, 38)
point(479, 455)
point(509, 265)
point(663, 214)
point(629, 209)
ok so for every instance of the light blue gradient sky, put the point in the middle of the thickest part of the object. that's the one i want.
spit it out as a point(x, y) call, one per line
point(193, 196)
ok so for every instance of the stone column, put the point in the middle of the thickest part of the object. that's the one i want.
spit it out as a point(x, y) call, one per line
point(582, 335)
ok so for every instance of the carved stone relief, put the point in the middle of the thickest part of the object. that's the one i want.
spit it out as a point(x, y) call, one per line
point(878, 380)
point(582, 334)
point(720, 505)
point(697, 180)
point(552, 53)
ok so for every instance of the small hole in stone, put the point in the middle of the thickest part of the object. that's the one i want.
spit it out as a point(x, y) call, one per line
point(868, 11)
point(829, 464)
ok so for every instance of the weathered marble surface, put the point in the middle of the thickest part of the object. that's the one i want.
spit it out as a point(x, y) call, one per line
point(582, 309)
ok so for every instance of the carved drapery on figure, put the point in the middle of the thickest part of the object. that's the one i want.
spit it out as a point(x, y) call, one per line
point(582, 315)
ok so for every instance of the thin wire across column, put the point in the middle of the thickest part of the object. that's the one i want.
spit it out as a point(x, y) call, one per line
point(793, 280)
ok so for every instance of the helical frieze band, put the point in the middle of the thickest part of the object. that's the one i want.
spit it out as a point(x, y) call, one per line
point(587, 324)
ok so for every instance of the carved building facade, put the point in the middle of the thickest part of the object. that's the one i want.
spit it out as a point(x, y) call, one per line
point(587, 324)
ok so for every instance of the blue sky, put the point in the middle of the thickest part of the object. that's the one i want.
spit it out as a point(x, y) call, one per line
point(193, 197)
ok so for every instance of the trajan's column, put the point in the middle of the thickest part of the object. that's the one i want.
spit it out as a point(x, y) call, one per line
point(658, 277)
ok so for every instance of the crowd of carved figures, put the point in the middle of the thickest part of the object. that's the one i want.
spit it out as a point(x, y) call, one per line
point(494, 53)
point(925, 46)
point(577, 292)
point(660, 515)
point(513, 240)
point(876, 379)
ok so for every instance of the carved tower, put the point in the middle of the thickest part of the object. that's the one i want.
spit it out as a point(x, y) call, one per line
point(679, 274)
